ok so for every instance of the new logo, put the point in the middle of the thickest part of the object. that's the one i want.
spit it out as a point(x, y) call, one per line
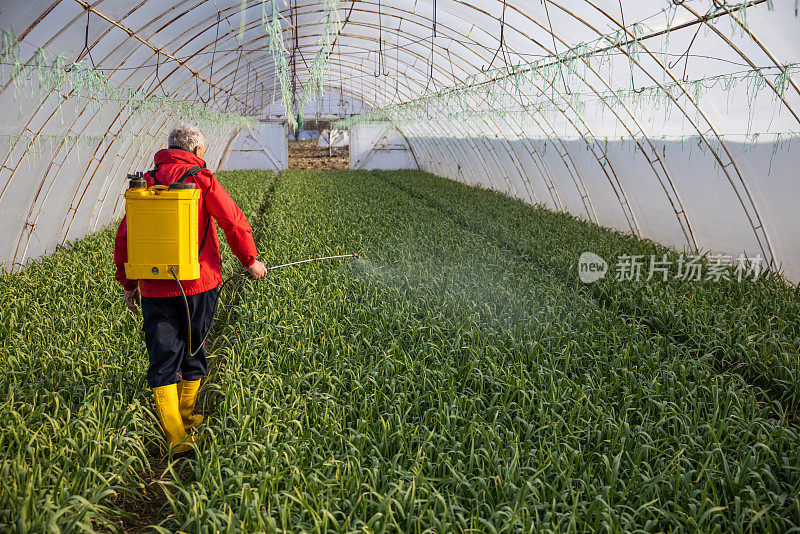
point(591, 267)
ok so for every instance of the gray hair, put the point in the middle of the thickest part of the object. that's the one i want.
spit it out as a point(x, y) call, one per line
point(186, 137)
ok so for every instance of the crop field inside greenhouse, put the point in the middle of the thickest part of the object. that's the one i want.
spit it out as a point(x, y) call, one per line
point(457, 377)
point(400, 266)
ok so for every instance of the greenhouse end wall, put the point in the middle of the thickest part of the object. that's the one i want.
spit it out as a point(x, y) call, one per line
point(379, 146)
point(264, 146)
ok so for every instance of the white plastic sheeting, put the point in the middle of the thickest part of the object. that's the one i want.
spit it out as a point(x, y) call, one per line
point(379, 146)
point(567, 177)
point(260, 147)
point(676, 121)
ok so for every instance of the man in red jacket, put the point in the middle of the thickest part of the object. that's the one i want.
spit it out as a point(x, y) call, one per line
point(173, 373)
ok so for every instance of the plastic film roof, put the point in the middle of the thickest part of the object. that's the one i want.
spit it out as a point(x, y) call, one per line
point(672, 120)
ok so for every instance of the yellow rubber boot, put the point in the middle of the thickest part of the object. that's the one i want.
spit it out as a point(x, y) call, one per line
point(187, 397)
point(170, 416)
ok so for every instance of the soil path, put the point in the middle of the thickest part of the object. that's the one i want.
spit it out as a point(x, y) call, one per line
point(306, 155)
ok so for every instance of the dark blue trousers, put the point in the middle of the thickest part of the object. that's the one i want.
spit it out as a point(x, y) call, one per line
point(164, 328)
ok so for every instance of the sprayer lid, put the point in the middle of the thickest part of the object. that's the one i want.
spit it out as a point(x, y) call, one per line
point(182, 185)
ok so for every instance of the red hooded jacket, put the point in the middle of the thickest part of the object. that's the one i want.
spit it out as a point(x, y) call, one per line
point(172, 164)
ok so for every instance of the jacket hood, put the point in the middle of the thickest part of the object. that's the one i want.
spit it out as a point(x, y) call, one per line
point(175, 155)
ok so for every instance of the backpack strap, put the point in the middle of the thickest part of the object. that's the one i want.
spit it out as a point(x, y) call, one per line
point(190, 172)
point(153, 175)
point(205, 234)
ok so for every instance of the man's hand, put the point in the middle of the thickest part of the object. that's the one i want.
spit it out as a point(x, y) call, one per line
point(257, 270)
point(132, 300)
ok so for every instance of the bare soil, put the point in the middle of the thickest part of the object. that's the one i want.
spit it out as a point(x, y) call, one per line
point(306, 155)
point(149, 507)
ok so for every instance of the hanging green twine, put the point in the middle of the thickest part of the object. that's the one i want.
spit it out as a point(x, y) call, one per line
point(86, 84)
point(279, 54)
point(314, 84)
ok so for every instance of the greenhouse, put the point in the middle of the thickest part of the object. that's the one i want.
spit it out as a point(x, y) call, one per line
point(400, 266)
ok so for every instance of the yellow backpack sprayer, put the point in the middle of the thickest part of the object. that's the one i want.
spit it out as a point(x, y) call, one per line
point(162, 229)
point(163, 236)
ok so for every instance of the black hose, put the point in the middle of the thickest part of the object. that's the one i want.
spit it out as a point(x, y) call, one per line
point(186, 303)
point(189, 315)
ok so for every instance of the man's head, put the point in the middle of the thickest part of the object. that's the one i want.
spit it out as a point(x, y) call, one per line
point(187, 137)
